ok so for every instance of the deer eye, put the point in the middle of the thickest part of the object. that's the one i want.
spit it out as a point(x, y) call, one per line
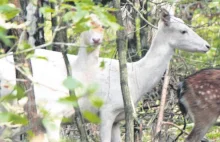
point(183, 32)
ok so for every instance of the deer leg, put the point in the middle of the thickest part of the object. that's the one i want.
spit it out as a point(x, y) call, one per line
point(116, 137)
point(107, 120)
point(53, 130)
point(203, 121)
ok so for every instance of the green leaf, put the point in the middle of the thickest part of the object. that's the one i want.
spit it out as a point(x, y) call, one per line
point(37, 57)
point(20, 92)
point(42, 58)
point(7, 98)
point(1, 50)
point(53, 1)
point(70, 1)
point(17, 93)
point(96, 101)
point(81, 26)
point(213, 4)
point(72, 100)
point(49, 122)
point(91, 117)
point(84, 2)
point(107, 19)
point(8, 11)
point(92, 88)
point(46, 9)
point(68, 16)
point(102, 64)
point(3, 2)
point(79, 15)
point(90, 49)
point(3, 36)
point(71, 83)
point(24, 45)
point(14, 118)
point(67, 120)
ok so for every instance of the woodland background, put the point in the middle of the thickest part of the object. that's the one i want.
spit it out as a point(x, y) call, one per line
point(68, 17)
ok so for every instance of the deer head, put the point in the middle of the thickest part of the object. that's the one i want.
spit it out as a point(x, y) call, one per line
point(94, 36)
point(179, 35)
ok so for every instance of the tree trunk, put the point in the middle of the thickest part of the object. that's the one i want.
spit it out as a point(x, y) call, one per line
point(30, 107)
point(61, 35)
point(144, 32)
point(39, 35)
point(121, 47)
point(132, 54)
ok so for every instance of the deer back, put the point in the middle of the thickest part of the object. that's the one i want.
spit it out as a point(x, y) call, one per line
point(201, 90)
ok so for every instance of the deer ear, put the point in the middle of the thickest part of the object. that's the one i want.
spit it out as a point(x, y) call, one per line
point(165, 17)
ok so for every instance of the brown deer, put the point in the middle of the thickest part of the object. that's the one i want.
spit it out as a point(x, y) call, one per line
point(199, 97)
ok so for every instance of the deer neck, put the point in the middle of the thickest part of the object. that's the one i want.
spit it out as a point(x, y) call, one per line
point(88, 57)
point(150, 69)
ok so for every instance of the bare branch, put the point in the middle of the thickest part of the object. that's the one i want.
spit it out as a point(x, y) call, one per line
point(163, 101)
point(141, 16)
point(170, 123)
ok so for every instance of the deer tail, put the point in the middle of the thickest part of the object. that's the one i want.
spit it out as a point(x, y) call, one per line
point(180, 93)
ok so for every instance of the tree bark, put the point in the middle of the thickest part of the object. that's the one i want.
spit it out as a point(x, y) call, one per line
point(30, 106)
point(39, 35)
point(144, 31)
point(132, 53)
point(121, 47)
point(61, 35)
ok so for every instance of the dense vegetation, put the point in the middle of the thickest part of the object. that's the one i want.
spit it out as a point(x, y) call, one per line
point(71, 15)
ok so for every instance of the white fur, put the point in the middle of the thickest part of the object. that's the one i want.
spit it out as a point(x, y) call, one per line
point(142, 76)
point(48, 76)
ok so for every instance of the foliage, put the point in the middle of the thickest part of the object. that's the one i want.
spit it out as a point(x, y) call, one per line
point(7, 12)
point(205, 21)
point(77, 17)
point(206, 24)
point(91, 117)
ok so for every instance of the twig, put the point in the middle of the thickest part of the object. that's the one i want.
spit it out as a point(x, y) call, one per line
point(170, 123)
point(78, 117)
point(39, 47)
point(29, 78)
point(163, 101)
point(141, 16)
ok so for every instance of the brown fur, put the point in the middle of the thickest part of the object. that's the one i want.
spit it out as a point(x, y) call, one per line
point(201, 98)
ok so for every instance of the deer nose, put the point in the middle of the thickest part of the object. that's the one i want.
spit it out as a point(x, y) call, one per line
point(96, 41)
point(208, 46)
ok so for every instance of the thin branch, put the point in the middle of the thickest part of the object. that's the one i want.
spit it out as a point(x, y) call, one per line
point(170, 123)
point(137, 30)
point(163, 101)
point(38, 47)
point(29, 78)
point(141, 16)
point(78, 117)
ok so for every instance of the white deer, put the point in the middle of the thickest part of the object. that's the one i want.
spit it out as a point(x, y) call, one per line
point(142, 75)
point(48, 75)
point(83, 63)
